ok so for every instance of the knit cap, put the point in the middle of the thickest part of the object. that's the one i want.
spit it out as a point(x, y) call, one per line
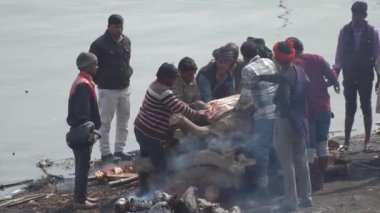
point(224, 53)
point(85, 59)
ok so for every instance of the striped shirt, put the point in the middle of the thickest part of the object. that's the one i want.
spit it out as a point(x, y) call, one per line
point(261, 93)
point(158, 106)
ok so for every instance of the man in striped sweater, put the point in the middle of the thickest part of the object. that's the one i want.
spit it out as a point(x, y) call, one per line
point(152, 121)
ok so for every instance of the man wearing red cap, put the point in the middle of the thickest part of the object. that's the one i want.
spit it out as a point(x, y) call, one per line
point(357, 50)
point(291, 126)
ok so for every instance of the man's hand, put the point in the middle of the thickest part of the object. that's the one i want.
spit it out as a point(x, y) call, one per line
point(337, 87)
point(336, 70)
point(94, 136)
point(203, 116)
point(198, 105)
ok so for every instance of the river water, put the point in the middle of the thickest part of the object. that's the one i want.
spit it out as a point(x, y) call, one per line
point(40, 40)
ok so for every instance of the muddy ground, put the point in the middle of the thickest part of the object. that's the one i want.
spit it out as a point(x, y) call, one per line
point(352, 188)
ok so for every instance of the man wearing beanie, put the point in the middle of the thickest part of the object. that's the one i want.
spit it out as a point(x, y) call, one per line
point(215, 79)
point(113, 50)
point(291, 126)
point(357, 50)
point(83, 107)
point(321, 77)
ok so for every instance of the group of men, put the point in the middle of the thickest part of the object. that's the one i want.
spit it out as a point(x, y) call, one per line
point(289, 93)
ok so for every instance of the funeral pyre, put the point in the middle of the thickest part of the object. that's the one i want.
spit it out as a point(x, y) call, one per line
point(165, 203)
point(210, 157)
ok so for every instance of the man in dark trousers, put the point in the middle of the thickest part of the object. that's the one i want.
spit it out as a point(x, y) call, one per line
point(83, 108)
point(113, 50)
point(357, 51)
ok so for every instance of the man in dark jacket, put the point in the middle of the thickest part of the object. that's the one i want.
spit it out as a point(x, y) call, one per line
point(113, 50)
point(215, 80)
point(83, 108)
point(357, 51)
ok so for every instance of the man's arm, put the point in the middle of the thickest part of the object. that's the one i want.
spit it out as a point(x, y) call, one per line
point(376, 45)
point(376, 55)
point(339, 54)
point(204, 88)
point(275, 78)
point(329, 74)
point(82, 105)
point(177, 106)
point(377, 65)
point(247, 82)
point(177, 88)
point(96, 49)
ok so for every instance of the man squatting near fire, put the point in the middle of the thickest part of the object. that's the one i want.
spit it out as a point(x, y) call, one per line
point(83, 108)
point(152, 122)
point(357, 50)
point(321, 76)
point(291, 126)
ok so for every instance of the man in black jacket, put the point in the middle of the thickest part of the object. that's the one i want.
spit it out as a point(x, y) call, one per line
point(83, 108)
point(357, 51)
point(113, 50)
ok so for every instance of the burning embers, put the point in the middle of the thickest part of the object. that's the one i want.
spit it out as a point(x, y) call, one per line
point(165, 203)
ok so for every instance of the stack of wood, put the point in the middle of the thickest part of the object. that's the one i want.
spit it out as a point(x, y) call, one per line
point(214, 156)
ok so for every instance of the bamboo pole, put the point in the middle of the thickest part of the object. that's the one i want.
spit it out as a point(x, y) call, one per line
point(123, 181)
point(17, 183)
point(20, 200)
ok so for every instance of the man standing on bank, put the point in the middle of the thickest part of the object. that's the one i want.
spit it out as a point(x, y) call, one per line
point(357, 51)
point(113, 50)
point(83, 108)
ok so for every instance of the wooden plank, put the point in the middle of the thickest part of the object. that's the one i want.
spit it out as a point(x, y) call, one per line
point(123, 181)
point(21, 200)
point(16, 183)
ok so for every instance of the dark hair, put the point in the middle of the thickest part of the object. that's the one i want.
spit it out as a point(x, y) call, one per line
point(298, 45)
point(187, 64)
point(166, 70)
point(262, 50)
point(359, 7)
point(115, 19)
point(248, 49)
point(284, 47)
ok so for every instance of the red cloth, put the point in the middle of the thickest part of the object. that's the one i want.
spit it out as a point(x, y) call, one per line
point(84, 78)
point(317, 70)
